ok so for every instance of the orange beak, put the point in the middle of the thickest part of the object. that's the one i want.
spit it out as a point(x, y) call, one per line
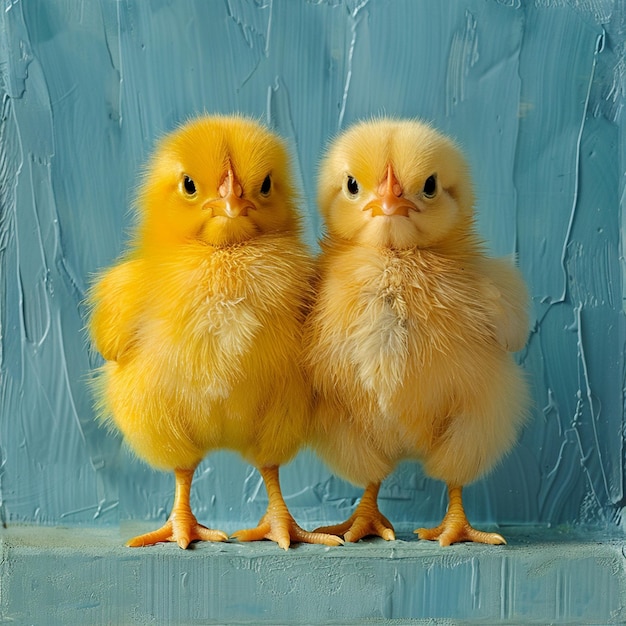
point(390, 200)
point(230, 202)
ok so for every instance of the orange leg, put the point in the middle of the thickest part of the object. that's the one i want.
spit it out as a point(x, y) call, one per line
point(455, 527)
point(277, 524)
point(365, 521)
point(182, 525)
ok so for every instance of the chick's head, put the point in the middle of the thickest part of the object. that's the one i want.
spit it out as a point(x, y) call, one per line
point(219, 180)
point(397, 184)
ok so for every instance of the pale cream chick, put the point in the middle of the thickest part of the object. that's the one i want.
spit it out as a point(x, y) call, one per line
point(200, 322)
point(409, 341)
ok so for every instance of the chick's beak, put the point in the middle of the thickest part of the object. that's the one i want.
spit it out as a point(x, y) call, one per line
point(390, 200)
point(230, 202)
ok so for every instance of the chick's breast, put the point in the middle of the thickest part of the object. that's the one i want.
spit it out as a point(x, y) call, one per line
point(215, 360)
point(403, 347)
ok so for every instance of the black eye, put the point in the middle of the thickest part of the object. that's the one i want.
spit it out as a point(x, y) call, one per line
point(352, 186)
point(430, 186)
point(189, 187)
point(266, 186)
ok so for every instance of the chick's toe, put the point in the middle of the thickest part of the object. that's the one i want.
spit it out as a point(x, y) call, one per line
point(455, 528)
point(277, 524)
point(181, 532)
point(182, 526)
point(366, 521)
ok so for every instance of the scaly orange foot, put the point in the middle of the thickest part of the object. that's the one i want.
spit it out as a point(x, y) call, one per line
point(182, 525)
point(455, 528)
point(183, 533)
point(277, 524)
point(367, 520)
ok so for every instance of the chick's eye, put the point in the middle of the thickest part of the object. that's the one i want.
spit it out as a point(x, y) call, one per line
point(430, 186)
point(266, 186)
point(189, 187)
point(352, 186)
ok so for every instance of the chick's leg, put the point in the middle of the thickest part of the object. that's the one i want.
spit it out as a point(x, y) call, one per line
point(182, 525)
point(277, 524)
point(455, 527)
point(366, 520)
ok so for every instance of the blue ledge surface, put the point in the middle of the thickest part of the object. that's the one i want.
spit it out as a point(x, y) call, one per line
point(86, 576)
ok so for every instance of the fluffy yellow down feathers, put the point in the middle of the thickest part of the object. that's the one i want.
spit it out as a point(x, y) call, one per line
point(200, 323)
point(214, 336)
point(410, 335)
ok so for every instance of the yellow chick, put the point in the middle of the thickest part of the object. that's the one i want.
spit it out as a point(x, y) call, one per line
point(409, 341)
point(200, 323)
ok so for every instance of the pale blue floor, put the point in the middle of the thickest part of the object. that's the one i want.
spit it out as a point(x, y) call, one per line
point(85, 576)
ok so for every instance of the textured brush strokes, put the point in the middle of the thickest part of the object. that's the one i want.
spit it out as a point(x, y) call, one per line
point(543, 577)
point(533, 91)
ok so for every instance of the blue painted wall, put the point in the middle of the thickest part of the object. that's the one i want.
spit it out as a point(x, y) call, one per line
point(534, 92)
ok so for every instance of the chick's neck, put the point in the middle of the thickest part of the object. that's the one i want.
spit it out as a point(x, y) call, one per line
point(460, 246)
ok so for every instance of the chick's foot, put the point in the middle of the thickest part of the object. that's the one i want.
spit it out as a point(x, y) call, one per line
point(366, 521)
point(182, 526)
point(277, 524)
point(175, 530)
point(455, 528)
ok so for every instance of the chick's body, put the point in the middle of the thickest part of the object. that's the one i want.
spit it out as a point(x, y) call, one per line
point(409, 340)
point(201, 323)
point(212, 363)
